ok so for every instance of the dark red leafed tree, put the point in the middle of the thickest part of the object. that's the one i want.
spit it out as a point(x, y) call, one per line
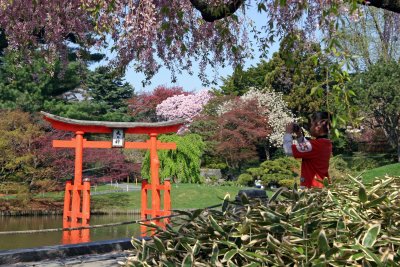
point(239, 131)
point(58, 163)
point(106, 165)
point(101, 165)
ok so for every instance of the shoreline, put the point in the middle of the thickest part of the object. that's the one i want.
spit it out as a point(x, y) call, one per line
point(60, 212)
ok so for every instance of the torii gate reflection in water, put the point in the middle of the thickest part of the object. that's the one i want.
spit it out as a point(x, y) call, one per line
point(77, 192)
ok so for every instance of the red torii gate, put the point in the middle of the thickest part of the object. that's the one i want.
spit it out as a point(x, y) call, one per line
point(77, 193)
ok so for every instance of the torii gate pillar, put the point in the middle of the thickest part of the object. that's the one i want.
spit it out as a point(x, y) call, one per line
point(77, 192)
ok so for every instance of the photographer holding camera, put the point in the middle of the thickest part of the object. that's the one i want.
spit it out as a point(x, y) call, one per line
point(315, 153)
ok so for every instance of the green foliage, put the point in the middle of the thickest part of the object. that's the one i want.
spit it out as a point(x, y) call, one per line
point(104, 99)
point(344, 224)
point(343, 144)
point(255, 172)
point(182, 164)
point(220, 166)
point(245, 179)
point(206, 127)
point(294, 70)
point(28, 86)
point(289, 183)
point(45, 185)
point(338, 167)
point(242, 80)
point(297, 68)
point(17, 159)
point(82, 110)
point(9, 188)
point(23, 195)
point(366, 161)
point(105, 87)
point(273, 171)
point(60, 89)
point(378, 95)
point(339, 163)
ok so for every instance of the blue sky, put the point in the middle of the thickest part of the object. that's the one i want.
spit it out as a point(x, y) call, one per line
point(192, 82)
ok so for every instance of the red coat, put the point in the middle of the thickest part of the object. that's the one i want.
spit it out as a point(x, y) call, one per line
point(315, 155)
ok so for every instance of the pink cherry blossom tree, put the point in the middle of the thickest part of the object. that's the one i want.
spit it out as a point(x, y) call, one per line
point(184, 107)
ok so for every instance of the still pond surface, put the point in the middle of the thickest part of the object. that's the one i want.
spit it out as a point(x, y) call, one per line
point(18, 223)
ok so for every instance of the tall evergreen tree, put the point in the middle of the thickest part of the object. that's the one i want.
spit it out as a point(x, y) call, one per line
point(110, 91)
point(28, 86)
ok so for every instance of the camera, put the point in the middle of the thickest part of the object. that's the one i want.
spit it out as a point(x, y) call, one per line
point(296, 128)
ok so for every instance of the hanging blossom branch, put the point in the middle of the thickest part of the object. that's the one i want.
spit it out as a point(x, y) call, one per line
point(171, 33)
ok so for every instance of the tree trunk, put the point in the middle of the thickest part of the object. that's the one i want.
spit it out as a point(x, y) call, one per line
point(267, 153)
point(398, 149)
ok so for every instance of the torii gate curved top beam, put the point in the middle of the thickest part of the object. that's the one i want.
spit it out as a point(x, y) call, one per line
point(73, 125)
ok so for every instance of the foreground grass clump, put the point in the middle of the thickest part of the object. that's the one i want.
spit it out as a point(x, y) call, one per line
point(344, 224)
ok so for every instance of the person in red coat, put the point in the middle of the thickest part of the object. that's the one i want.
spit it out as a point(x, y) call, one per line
point(315, 152)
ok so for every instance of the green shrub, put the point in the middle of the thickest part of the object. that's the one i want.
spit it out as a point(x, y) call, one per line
point(23, 196)
point(230, 183)
point(361, 164)
point(255, 172)
point(279, 169)
point(11, 188)
point(338, 163)
point(366, 161)
point(289, 183)
point(45, 185)
point(245, 179)
point(221, 166)
point(338, 167)
point(275, 177)
point(343, 224)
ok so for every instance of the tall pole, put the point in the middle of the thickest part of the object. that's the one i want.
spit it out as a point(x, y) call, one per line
point(155, 181)
point(76, 197)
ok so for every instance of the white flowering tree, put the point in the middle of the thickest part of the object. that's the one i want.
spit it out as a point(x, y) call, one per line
point(272, 105)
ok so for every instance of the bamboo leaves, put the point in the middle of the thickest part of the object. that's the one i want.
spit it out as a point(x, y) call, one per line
point(371, 235)
point(362, 194)
point(347, 224)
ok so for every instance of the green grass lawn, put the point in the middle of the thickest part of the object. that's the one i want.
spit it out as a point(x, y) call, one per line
point(183, 196)
point(391, 170)
point(60, 195)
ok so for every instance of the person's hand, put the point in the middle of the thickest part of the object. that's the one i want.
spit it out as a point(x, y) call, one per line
point(289, 128)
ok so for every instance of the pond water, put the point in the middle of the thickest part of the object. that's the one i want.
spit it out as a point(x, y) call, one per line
point(14, 223)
